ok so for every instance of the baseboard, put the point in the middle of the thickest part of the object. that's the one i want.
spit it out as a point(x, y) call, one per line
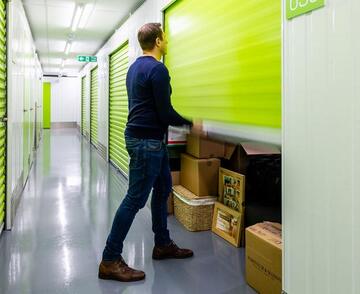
point(63, 125)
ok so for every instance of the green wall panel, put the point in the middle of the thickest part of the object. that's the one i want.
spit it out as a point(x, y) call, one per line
point(94, 101)
point(225, 60)
point(2, 113)
point(84, 107)
point(119, 63)
point(46, 105)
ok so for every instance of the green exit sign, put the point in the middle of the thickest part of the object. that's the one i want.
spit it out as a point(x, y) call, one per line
point(87, 58)
point(298, 7)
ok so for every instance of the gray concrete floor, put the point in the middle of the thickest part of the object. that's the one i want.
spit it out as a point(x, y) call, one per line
point(63, 221)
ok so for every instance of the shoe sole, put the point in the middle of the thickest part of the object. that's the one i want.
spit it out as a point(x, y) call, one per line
point(171, 257)
point(109, 277)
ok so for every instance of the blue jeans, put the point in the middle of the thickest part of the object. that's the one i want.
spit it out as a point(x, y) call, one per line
point(148, 169)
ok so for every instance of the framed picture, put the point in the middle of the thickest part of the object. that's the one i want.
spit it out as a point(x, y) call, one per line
point(231, 189)
point(227, 223)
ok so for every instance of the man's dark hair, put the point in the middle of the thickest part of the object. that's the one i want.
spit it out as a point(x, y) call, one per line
point(147, 35)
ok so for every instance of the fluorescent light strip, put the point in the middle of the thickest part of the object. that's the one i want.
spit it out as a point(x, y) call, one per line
point(85, 15)
point(76, 19)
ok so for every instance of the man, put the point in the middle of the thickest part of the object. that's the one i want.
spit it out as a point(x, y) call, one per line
point(150, 114)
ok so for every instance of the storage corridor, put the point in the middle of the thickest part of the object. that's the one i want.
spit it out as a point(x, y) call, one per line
point(64, 218)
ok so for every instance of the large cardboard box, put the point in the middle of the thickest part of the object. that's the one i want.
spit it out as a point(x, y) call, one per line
point(200, 176)
point(175, 175)
point(203, 147)
point(264, 258)
point(238, 156)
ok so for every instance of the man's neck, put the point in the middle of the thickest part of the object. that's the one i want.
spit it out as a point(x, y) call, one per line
point(156, 55)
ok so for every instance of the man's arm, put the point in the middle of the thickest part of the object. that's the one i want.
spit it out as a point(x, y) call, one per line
point(161, 89)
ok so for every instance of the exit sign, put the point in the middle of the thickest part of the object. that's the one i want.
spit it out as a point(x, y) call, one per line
point(298, 7)
point(87, 58)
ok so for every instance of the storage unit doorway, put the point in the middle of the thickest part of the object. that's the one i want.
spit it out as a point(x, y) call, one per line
point(118, 108)
point(94, 106)
point(3, 114)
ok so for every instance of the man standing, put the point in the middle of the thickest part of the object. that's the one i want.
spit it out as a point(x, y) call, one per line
point(150, 114)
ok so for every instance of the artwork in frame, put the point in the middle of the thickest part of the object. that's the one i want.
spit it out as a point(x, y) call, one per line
point(232, 189)
point(227, 223)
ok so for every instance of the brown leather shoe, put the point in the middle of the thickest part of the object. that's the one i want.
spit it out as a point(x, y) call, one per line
point(171, 251)
point(118, 270)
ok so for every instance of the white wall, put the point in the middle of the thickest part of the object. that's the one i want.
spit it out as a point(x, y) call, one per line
point(65, 99)
point(321, 148)
point(24, 73)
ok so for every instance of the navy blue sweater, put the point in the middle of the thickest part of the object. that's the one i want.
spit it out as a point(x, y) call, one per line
point(150, 109)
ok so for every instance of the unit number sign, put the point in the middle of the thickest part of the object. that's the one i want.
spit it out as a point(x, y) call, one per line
point(298, 7)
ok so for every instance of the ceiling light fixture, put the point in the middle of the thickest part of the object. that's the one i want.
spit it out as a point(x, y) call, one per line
point(76, 18)
point(85, 15)
point(67, 48)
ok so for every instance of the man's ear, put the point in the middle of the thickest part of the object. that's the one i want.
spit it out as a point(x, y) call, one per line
point(157, 41)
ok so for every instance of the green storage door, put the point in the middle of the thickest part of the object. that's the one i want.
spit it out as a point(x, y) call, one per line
point(2, 113)
point(225, 60)
point(94, 107)
point(46, 105)
point(119, 62)
point(84, 128)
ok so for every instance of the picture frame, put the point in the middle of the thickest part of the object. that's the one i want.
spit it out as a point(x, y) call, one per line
point(232, 189)
point(227, 223)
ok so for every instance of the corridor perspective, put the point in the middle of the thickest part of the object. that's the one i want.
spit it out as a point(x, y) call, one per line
point(65, 216)
point(179, 147)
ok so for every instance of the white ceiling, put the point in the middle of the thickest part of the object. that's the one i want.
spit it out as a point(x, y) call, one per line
point(50, 22)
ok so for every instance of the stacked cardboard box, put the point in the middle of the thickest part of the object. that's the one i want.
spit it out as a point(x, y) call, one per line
point(264, 257)
point(199, 173)
point(200, 166)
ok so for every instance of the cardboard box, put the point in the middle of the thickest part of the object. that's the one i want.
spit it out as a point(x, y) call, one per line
point(238, 156)
point(264, 258)
point(200, 176)
point(175, 181)
point(175, 177)
point(203, 147)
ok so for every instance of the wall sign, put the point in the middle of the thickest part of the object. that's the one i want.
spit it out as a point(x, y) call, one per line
point(298, 7)
point(87, 58)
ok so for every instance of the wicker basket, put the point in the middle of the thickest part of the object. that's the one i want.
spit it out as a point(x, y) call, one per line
point(194, 212)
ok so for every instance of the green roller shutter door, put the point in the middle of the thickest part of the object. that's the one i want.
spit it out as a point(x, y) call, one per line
point(94, 107)
point(84, 129)
point(225, 60)
point(119, 63)
point(2, 113)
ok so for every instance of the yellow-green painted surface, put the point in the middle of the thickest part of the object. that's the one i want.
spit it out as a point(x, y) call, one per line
point(47, 105)
point(94, 101)
point(119, 63)
point(84, 106)
point(2, 112)
point(224, 59)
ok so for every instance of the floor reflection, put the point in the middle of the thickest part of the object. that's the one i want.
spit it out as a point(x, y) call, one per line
point(64, 218)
